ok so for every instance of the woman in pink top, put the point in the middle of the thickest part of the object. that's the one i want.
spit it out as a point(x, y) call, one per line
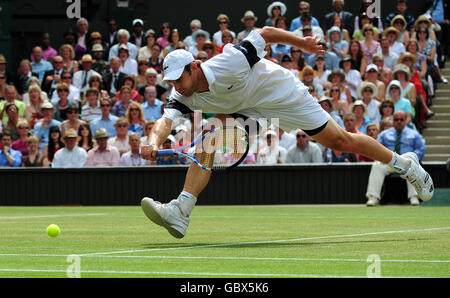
point(369, 45)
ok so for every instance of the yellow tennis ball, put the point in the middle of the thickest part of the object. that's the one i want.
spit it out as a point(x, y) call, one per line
point(53, 230)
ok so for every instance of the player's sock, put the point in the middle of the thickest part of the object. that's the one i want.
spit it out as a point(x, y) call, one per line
point(399, 163)
point(186, 203)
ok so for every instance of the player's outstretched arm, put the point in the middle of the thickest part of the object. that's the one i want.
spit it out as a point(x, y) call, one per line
point(306, 44)
point(158, 135)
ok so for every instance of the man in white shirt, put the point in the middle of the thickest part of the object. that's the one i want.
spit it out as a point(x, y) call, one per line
point(390, 58)
point(133, 157)
point(71, 156)
point(240, 83)
point(81, 77)
point(304, 151)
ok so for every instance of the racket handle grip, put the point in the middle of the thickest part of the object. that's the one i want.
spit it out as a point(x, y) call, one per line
point(165, 152)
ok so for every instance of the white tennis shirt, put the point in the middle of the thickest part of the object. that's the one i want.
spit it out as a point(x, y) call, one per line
point(242, 81)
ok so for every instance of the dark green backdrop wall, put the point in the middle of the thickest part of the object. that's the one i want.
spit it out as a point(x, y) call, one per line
point(29, 18)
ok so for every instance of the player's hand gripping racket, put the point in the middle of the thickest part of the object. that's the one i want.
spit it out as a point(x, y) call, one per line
point(221, 148)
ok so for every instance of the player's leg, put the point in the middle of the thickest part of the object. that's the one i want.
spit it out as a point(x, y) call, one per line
point(174, 216)
point(334, 137)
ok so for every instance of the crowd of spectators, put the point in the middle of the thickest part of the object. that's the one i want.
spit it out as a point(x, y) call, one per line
point(93, 100)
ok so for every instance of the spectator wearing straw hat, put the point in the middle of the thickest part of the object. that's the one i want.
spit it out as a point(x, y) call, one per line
point(274, 10)
point(104, 155)
point(99, 64)
point(71, 156)
point(249, 19)
point(393, 36)
point(399, 23)
point(81, 77)
point(367, 92)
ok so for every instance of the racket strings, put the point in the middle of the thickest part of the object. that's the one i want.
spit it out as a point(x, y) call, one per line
point(224, 147)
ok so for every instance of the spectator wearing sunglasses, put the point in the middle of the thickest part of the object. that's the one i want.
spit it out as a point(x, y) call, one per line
point(399, 138)
point(304, 151)
point(106, 120)
point(73, 119)
point(62, 107)
point(222, 20)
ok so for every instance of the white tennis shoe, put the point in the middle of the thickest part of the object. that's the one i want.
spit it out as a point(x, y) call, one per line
point(372, 201)
point(418, 177)
point(168, 216)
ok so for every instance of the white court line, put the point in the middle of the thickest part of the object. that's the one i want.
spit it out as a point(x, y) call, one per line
point(265, 242)
point(228, 258)
point(197, 273)
point(51, 215)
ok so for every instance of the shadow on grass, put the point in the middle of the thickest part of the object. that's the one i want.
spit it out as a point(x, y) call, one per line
point(269, 244)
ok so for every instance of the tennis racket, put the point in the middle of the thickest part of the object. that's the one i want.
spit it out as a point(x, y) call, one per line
point(222, 148)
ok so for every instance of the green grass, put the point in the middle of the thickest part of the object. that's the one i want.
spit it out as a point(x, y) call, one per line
point(228, 241)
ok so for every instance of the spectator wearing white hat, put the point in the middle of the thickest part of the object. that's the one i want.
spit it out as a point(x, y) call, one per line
point(42, 128)
point(359, 109)
point(371, 75)
point(138, 37)
point(274, 10)
point(249, 19)
point(272, 153)
point(367, 93)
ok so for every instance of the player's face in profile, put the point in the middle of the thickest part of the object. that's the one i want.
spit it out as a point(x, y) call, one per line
point(185, 85)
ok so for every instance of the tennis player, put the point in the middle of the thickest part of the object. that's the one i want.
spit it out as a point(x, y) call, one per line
point(241, 83)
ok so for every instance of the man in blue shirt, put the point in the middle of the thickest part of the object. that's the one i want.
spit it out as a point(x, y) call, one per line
point(40, 66)
point(297, 22)
point(401, 7)
point(331, 59)
point(401, 139)
point(8, 156)
point(152, 105)
point(107, 120)
point(42, 129)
